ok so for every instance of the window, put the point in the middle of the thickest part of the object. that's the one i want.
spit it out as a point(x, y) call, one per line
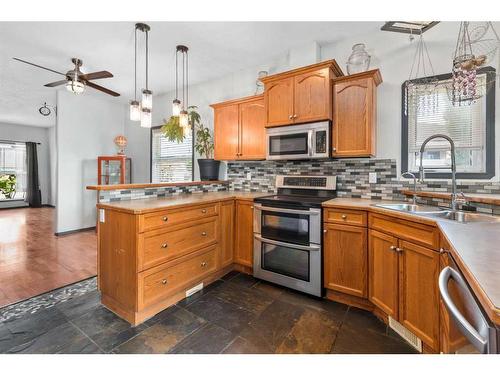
point(12, 170)
point(170, 161)
point(472, 128)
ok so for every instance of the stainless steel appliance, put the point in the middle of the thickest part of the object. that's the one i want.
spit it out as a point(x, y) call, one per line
point(308, 141)
point(288, 233)
point(481, 335)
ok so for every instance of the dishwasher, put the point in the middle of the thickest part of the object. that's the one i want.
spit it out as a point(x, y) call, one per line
point(480, 334)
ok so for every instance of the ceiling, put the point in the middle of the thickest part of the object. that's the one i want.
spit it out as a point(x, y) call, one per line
point(216, 49)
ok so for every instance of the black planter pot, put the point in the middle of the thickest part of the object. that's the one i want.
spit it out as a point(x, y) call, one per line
point(209, 169)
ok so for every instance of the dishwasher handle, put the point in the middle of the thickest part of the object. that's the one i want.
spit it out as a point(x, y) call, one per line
point(474, 337)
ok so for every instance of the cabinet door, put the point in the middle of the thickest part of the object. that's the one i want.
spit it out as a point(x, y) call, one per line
point(226, 234)
point(354, 118)
point(383, 272)
point(279, 102)
point(243, 247)
point(419, 294)
point(252, 130)
point(345, 259)
point(312, 96)
point(226, 133)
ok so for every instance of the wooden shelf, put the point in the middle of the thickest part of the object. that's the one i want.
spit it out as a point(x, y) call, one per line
point(149, 185)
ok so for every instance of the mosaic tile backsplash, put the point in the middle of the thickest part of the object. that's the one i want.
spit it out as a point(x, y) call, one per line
point(352, 179)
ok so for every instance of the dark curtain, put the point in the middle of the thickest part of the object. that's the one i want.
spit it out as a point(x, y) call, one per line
point(33, 193)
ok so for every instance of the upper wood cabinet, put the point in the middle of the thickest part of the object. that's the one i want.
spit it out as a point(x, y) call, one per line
point(239, 129)
point(243, 245)
point(300, 95)
point(355, 114)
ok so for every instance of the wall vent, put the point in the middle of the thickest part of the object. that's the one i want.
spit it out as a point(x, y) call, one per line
point(408, 336)
point(194, 289)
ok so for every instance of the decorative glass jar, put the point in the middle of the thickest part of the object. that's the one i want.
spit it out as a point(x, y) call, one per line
point(359, 61)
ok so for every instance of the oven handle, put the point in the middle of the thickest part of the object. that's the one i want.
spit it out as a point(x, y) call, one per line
point(285, 210)
point(258, 237)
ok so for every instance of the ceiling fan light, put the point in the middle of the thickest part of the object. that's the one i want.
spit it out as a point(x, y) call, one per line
point(135, 110)
point(176, 107)
point(147, 99)
point(183, 119)
point(146, 118)
point(75, 87)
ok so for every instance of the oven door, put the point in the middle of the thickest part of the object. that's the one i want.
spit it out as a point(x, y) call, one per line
point(291, 265)
point(302, 227)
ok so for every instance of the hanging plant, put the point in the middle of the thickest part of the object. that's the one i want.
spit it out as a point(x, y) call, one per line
point(174, 132)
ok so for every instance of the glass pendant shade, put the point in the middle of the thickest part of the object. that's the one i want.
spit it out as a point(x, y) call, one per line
point(147, 99)
point(135, 110)
point(176, 107)
point(75, 87)
point(146, 118)
point(183, 119)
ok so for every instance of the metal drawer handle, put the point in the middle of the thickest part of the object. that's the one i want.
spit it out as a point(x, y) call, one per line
point(203, 211)
point(203, 264)
point(344, 216)
point(164, 281)
point(203, 234)
point(258, 237)
point(164, 245)
point(286, 210)
point(164, 218)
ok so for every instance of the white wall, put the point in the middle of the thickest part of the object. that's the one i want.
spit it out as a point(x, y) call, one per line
point(138, 150)
point(53, 164)
point(39, 134)
point(86, 126)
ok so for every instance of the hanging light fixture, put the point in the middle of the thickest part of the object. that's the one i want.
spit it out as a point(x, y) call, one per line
point(74, 86)
point(183, 113)
point(146, 119)
point(176, 103)
point(135, 107)
point(147, 94)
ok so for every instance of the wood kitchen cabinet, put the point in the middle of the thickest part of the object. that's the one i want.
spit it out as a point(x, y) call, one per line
point(243, 246)
point(355, 114)
point(239, 129)
point(226, 233)
point(300, 95)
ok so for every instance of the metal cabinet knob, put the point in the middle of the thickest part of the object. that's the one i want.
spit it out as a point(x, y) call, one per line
point(164, 281)
point(290, 117)
point(324, 230)
point(164, 245)
point(393, 248)
point(164, 218)
point(334, 149)
point(344, 217)
point(203, 211)
point(203, 264)
point(442, 251)
point(399, 250)
point(203, 234)
point(295, 116)
point(251, 207)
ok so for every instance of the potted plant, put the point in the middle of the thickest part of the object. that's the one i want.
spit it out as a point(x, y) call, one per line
point(8, 185)
point(204, 144)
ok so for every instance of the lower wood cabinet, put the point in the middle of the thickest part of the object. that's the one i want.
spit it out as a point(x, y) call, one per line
point(226, 234)
point(243, 246)
point(403, 284)
point(345, 259)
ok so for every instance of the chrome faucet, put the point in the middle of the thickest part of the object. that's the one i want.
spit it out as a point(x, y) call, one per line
point(409, 174)
point(453, 167)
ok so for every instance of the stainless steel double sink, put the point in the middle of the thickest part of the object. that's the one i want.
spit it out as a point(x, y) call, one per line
point(440, 213)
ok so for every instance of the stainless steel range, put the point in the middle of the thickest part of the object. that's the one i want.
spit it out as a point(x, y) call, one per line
point(288, 235)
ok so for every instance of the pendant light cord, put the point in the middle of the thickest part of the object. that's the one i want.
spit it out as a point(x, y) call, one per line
point(147, 58)
point(176, 74)
point(187, 80)
point(135, 65)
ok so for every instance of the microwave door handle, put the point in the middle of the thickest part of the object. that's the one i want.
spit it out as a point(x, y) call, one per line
point(285, 210)
point(475, 338)
point(258, 237)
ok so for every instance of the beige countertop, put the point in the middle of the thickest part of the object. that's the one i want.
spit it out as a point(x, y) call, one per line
point(475, 248)
point(141, 206)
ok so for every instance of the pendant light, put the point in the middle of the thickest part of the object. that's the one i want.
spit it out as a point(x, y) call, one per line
point(146, 105)
point(183, 114)
point(135, 107)
point(176, 104)
point(147, 95)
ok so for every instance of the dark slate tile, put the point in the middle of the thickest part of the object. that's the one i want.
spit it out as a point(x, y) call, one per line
point(188, 300)
point(22, 330)
point(210, 339)
point(272, 290)
point(225, 314)
point(243, 280)
point(269, 329)
point(80, 305)
point(163, 336)
point(248, 298)
point(161, 315)
point(230, 275)
point(364, 320)
point(106, 329)
point(242, 346)
point(315, 332)
point(64, 339)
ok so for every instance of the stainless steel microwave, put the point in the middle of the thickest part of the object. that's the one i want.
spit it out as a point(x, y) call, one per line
point(307, 141)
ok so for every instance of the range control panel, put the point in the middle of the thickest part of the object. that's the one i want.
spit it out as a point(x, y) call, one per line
point(307, 182)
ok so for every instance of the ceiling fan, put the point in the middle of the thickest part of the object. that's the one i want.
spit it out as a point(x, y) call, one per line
point(76, 80)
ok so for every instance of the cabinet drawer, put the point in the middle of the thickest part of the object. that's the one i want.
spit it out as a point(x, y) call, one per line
point(171, 217)
point(160, 246)
point(340, 216)
point(162, 281)
point(421, 234)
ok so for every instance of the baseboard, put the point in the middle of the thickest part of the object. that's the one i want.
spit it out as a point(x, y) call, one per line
point(48, 205)
point(74, 231)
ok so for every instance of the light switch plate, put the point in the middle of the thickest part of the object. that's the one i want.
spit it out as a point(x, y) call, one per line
point(102, 216)
point(372, 177)
point(249, 175)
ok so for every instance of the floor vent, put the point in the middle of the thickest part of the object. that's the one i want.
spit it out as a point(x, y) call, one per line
point(194, 289)
point(408, 336)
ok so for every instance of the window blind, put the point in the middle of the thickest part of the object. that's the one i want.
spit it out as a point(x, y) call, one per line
point(170, 161)
point(465, 124)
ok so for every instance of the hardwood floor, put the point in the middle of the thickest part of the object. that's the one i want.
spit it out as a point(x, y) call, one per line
point(33, 260)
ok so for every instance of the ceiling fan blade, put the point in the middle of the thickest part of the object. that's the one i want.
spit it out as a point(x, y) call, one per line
point(96, 75)
point(39, 66)
point(57, 83)
point(100, 88)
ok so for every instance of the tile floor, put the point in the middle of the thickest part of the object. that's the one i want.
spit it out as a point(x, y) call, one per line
point(237, 314)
